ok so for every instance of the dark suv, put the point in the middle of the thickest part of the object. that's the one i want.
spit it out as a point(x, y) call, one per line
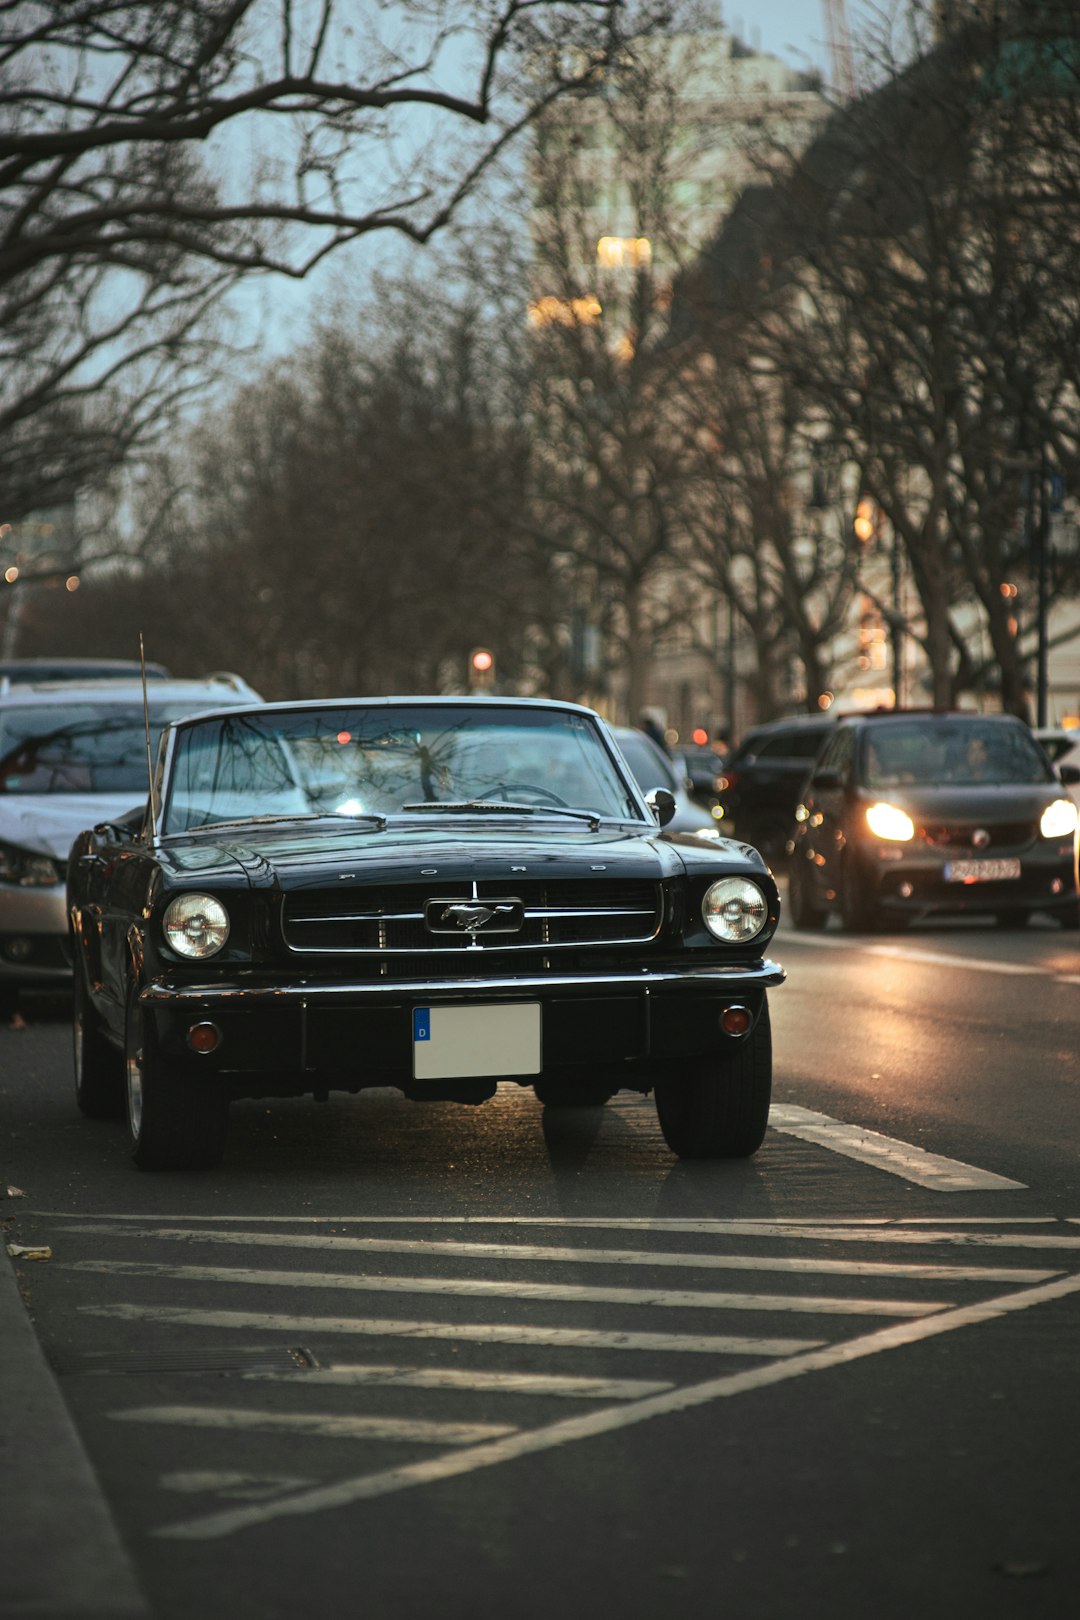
point(758, 787)
point(908, 813)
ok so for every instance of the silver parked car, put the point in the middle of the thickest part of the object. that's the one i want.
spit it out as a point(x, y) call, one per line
point(652, 768)
point(73, 755)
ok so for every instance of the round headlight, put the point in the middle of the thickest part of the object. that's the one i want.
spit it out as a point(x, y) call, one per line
point(734, 910)
point(196, 925)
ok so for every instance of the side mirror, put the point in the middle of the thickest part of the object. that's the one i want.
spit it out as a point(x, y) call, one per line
point(1070, 774)
point(827, 780)
point(662, 804)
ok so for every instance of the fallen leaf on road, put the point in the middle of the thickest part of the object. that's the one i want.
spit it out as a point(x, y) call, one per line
point(20, 1251)
point(15, 1192)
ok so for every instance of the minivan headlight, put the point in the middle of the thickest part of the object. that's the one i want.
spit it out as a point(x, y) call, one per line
point(1058, 819)
point(734, 910)
point(889, 821)
point(196, 925)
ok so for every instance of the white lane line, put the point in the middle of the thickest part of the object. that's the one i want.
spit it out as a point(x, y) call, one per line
point(472, 1332)
point(323, 1425)
point(803, 1228)
point(475, 1288)
point(885, 1153)
point(475, 1382)
point(609, 1419)
point(629, 1223)
point(927, 958)
point(561, 1255)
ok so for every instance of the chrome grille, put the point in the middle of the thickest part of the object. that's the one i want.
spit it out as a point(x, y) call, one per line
point(389, 921)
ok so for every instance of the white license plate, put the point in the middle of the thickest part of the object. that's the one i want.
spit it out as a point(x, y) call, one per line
point(454, 1043)
point(982, 871)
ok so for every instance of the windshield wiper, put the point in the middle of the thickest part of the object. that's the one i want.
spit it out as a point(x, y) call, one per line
point(377, 821)
point(507, 807)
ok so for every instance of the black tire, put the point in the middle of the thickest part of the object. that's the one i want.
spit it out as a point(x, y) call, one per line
point(804, 913)
point(858, 912)
point(572, 1093)
point(718, 1108)
point(175, 1121)
point(99, 1067)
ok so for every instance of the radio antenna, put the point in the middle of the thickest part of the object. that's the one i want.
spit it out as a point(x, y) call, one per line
point(146, 729)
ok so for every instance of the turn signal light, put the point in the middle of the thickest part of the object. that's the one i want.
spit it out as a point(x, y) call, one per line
point(735, 1020)
point(204, 1037)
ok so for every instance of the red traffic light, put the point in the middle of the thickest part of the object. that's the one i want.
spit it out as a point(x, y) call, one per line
point(699, 736)
point(482, 660)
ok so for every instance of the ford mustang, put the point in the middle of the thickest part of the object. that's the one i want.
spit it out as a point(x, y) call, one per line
point(435, 894)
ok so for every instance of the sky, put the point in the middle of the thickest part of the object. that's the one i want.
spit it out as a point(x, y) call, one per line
point(793, 30)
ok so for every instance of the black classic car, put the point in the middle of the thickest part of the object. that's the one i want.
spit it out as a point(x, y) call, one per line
point(429, 893)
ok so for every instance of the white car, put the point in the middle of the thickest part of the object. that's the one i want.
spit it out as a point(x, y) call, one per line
point(72, 755)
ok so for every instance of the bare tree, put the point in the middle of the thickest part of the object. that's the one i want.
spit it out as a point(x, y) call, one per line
point(153, 152)
point(911, 281)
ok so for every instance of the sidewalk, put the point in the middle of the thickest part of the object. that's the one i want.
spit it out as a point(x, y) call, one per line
point(60, 1554)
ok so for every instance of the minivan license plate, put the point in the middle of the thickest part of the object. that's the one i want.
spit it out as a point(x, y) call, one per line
point(982, 871)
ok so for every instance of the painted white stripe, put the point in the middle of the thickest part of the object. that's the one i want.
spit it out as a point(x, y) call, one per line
point(884, 1153)
point(474, 1381)
point(323, 1425)
point(561, 1255)
point(609, 1419)
point(808, 1228)
point(473, 1332)
point(913, 953)
point(474, 1288)
point(635, 1223)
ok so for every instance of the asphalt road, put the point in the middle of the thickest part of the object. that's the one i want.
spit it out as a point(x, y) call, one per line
point(397, 1360)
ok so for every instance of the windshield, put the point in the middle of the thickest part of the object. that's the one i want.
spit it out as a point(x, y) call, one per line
point(379, 761)
point(82, 747)
point(943, 753)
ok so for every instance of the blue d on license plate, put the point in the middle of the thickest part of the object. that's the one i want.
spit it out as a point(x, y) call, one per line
point(982, 871)
point(454, 1043)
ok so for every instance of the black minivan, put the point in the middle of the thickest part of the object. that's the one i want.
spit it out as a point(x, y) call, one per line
point(758, 787)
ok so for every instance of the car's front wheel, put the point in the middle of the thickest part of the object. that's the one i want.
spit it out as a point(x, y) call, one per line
point(718, 1108)
point(804, 913)
point(99, 1067)
point(175, 1121)
point(858, 912)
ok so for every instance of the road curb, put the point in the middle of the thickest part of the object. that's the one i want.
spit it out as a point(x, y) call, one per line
point(60, 1552)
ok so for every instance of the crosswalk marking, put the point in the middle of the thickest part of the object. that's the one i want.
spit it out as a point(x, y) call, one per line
point(472, 1288)
point(561, 1385)
point(912, 1163)
point(324, 1425)
point(562, 1254)
point(476, 1332)
point(606, 1420)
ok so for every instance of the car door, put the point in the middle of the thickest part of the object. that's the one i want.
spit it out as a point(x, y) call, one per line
point(827, 798)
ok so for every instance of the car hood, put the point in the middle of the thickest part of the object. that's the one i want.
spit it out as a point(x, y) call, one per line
point(292, 858)
point(1003, 802)
point(49, 823)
